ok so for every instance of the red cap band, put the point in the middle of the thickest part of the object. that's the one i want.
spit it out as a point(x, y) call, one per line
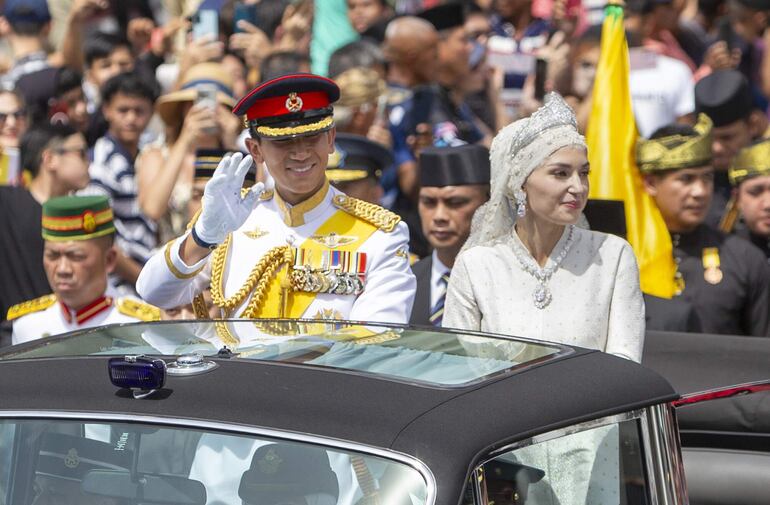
point(282, 105)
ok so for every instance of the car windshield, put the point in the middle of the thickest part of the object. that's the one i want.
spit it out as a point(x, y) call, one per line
point(418, 355)
point(68, 462)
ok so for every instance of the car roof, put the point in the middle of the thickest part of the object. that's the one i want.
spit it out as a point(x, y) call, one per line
point(446, 428)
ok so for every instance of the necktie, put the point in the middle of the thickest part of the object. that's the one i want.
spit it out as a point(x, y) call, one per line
point(437, 314)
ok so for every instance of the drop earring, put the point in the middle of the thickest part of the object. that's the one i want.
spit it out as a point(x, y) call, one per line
point(521, 203)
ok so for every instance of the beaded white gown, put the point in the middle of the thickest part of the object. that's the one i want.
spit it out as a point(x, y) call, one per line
point(595, 297)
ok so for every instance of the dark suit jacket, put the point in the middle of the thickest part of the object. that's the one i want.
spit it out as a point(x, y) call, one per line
point(421, 307)
point(670, 315)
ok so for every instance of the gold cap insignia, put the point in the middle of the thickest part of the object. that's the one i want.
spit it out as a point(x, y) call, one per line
point(89, 222)
point(71, 460)
point(676, 151)
point(270, 463)
point(293, 103)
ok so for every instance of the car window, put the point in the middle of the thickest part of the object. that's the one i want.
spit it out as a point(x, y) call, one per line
point(435, 358)
point(62, 462)
point(602, 465)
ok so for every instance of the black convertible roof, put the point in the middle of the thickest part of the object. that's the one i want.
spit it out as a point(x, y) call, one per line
point(448, 429)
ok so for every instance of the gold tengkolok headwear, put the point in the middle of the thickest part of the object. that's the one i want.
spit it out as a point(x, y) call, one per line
point(751, 161)
point(676, 151)
point(359, 85)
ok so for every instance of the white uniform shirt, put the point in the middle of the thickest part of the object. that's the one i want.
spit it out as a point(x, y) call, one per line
point(54, 321)
point(166, 281)
point(596, 302)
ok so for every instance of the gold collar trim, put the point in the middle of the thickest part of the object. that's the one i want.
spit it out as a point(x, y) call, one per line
point(295, 215)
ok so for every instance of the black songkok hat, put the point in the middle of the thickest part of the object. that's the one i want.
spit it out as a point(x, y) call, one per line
point(444, 17)
point(454, 166)
point(355, 157)
point(724, 96)
point(293, 105)
point(206, 161)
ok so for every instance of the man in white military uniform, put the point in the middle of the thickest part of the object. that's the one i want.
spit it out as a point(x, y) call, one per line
point(304, 250)
point(78, 255)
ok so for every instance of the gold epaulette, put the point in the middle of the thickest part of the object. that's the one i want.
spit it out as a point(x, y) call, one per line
point(382, 218)
point(30, 306)
point(137, 309)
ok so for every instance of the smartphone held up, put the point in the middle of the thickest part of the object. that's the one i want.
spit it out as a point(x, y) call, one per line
point(207, 98)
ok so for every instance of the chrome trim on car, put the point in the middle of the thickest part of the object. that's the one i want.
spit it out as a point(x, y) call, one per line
point(329, 442)
point(569, 430)
point(649, 460)
point(668, 453)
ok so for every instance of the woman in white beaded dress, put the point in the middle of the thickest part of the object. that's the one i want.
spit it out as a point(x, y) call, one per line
point(527, 269)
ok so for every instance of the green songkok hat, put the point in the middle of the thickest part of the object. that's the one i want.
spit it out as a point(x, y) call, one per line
point(77, 218)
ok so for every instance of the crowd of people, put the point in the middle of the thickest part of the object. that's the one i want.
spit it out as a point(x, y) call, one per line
point(416, 161)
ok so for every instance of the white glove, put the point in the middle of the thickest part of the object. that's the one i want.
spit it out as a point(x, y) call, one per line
point(223, 208)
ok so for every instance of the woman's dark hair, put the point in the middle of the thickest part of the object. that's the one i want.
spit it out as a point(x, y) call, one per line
point(130, 84)
point(101, 45)
point(38, 138)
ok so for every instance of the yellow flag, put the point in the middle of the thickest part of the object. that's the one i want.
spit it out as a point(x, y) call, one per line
point(611, 139)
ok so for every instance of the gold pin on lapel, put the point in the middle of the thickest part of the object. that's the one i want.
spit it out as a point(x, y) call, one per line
point(333, 240)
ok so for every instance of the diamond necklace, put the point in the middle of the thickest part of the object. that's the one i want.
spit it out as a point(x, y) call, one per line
point(542, 295)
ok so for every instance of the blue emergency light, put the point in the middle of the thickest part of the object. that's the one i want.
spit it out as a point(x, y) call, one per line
point(142, 375)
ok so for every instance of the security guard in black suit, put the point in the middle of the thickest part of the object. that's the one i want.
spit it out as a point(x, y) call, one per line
point(454, 182)
point(725, 278)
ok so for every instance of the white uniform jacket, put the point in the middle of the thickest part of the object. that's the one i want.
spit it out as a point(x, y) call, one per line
point(388, 289)
point(46, 316)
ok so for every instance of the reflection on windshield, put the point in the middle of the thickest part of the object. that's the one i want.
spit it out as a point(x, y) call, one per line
point(437, 358)
point(72, 463)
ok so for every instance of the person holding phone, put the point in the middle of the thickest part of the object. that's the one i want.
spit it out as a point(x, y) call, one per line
point(451, 117)
point(196, 116)
point(301, 250)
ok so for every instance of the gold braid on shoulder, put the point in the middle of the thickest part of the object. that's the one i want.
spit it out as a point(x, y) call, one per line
point(382, 218)
point(259, 278)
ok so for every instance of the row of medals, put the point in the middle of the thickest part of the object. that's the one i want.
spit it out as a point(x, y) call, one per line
point(333, 281)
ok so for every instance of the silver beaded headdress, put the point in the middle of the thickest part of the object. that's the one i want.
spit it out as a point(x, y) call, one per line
point(553, 114)
point(516, 151)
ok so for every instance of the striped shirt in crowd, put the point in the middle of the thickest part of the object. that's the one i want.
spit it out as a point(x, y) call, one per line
point(112, 174)
point(33, 62)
